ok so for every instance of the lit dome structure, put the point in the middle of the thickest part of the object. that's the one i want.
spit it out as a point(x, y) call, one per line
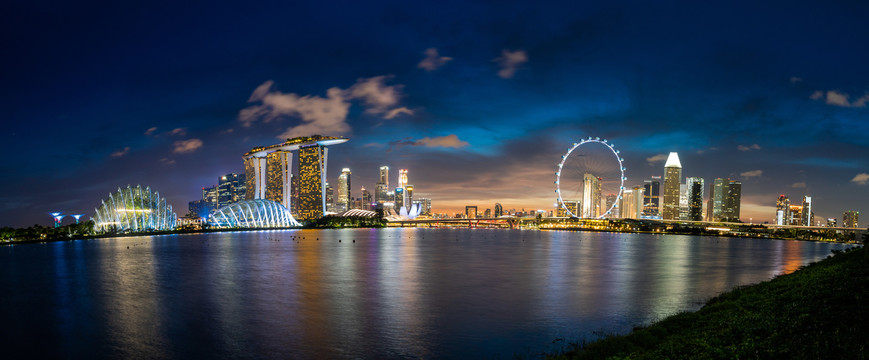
point(133, 209)
point(257, 213)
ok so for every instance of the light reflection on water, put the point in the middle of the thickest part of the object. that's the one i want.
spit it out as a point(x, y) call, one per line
point(391, 293)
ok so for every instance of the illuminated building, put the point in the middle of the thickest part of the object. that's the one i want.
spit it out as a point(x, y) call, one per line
point(210, 195)
point(312, 178)
point(380, 192)
point(134, 210)
point(590, 196)
point(402, 178)
point(367, 201)
point(471, 212)
point(850, 219)
point(782, 210)
point(408, 194)
point(831, 222)
point(694, 194)
point(796, 212)
point(344, 196)
point(683, 201)
point(487, 214)
point(672, 179)
point(230, 189)
point(610, 201)
point(399, 198)
point(279, 177)
point(330, 199)
point(268, 174)
point(808, 216)
point(200, 207)
point(255, 177)
point(258, 213)
point(652, 197)
point(424, 206)
point(726, 200)
point(561, 211)
point(499, 210)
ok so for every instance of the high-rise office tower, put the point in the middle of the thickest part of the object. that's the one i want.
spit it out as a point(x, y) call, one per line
point(726, 200)
point(399, 198)
point(211, 196)
point(402, 178)
point(230, 189)
point(850, 219)
point(499, 210)
point(652, 197)
point(408, 195)
point(278, 177)
point(344, 197)
point(672, 180)
point(366, 199)
point(683, 201)
point(796, 212)
point(694, 193)
point(424, 206)
point(808, 216)
point(382, 186)
point(330, 198)
point(610, 201)
point(782, 210)
point(590, 195)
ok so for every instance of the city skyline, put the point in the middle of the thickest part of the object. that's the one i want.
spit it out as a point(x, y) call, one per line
point(478, 104)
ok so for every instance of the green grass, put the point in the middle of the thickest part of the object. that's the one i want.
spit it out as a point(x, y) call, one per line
point(818, 312)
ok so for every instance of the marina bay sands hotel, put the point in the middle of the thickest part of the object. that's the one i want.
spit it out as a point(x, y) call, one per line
point(269, 173)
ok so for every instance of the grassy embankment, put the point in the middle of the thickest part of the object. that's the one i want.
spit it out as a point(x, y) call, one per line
point(818, 312)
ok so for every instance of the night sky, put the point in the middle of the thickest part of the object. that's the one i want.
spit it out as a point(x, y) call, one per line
point(478, 100)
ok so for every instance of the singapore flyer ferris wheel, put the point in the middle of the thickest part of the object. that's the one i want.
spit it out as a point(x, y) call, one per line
point(590, 180)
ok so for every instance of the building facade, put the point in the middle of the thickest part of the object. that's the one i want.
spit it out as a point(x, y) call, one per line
point(850, 219)
point(672, 180)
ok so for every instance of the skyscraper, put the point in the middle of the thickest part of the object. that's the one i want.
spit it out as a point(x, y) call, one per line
point(408, 195)
point(330, 198)
point(652, 197)
point(230, 189)
point(590, 195)
point(402, 178)
point(672, 179)
point(694, 193)
point(782, 210)
point(366, 199)
point(726, 200)
point(471, 211)
point(796, 212)
point(808, 216)
point(382, 186)
point(499, 210)
point(402, 184)
point(344, 196)
point(850, 218)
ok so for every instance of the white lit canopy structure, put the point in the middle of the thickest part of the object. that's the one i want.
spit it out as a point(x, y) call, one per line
point(258, 213)
point(134, 209)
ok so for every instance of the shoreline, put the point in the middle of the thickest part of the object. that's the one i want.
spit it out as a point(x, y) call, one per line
point(204, 231)
point(814, 312)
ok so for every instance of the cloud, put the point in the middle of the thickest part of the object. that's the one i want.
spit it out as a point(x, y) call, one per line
point(150, 131)
point(323, 115)
point(509, 62)
point(861, 179)
point(120, 153)
point(448, 141)
point(167, 161)
point(748, 148)
point(178, 132)
point(799, 185)
point(795, 79)
point(397, 111)
point(186, 146)
point(837, 98)
point(433, 60)
point(752, 173)
point(656, 158)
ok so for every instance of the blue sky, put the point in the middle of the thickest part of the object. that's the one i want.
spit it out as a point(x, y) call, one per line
point(477, 99)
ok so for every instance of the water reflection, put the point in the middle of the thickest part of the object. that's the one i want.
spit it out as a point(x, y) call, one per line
point(391, 293)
